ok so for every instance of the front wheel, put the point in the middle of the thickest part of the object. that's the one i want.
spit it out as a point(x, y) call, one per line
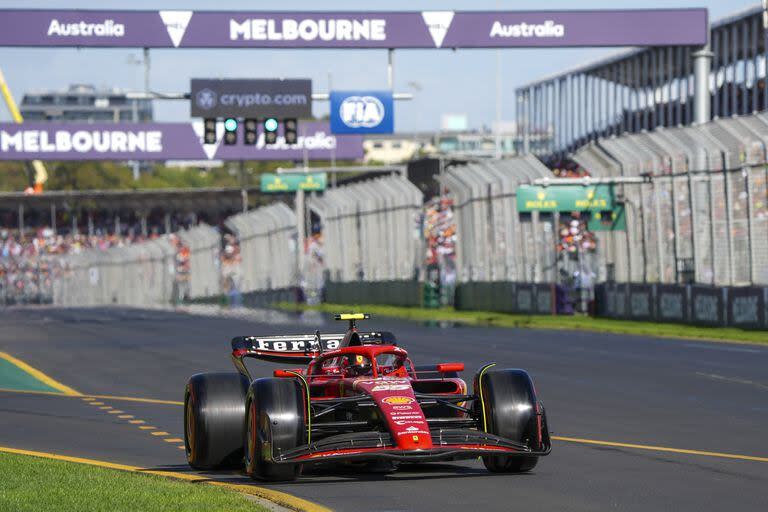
point(275, 423)
point(513, 412)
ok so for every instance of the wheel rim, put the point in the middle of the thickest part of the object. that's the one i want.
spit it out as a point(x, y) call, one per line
point(250, 444)
point(189, 426)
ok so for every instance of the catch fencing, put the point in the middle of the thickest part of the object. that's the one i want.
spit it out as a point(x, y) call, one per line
point(204, 273)
point(138, 275)
point(702, 214)
point(267, 240)
point(495, 242)
point(370, 230)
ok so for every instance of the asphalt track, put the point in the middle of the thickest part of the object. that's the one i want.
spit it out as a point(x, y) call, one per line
point(627, 390)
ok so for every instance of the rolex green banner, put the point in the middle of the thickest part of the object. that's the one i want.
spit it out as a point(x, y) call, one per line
point(564, 198)
point(280, 183)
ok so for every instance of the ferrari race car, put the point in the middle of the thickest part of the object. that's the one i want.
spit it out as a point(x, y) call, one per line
point(359, 399)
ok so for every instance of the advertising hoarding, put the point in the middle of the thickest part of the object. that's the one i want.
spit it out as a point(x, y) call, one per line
point(251, 98)
point(564, 198)
point(163, 141)
point(414, 29)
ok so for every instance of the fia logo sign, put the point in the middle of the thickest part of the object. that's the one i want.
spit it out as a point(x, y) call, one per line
point(362, 111)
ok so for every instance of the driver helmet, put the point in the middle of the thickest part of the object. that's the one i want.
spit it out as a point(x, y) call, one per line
point(359, 366)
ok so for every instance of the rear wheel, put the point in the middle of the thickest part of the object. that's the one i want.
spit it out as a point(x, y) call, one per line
point(275, 423)
point(511, 412)
point(214, 413)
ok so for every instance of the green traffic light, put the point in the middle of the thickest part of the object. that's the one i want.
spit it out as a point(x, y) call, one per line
point(230, 124)
point(270, 124)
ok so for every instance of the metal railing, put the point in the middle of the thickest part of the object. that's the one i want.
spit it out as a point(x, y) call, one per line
point(370, 230)
point(494, 241)
point(267, 238)
point(138, 275)
point(204, 276)
point(703, 214)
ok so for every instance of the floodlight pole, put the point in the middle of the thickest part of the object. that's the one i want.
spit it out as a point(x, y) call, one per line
point(702, 61)
point(300, 236)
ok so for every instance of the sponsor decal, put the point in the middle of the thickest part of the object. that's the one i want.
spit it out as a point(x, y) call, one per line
point(547, 29)
point(438, 23)
point(411, 432)
point(289, 29)
point(403, 408)
point(745, 310)
point(398, 400)
point(108, 28)
point(249, 100)
point(176, 23)
point(362, 111)
point(82, 141)
point(391, 387)
point(292, 345)
point(410, 422)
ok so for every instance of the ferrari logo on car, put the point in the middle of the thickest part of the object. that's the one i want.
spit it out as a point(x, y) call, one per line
point(398, 400)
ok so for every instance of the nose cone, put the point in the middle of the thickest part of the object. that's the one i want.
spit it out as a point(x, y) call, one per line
point(402, 412)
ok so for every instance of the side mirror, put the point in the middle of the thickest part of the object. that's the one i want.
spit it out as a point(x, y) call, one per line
point(287, 374)
point(450, 367)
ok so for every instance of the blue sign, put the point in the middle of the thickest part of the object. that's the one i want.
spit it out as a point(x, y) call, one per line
point(362, 112)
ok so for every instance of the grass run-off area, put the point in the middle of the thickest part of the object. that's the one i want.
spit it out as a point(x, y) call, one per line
point(576, 322)
point(33, 484)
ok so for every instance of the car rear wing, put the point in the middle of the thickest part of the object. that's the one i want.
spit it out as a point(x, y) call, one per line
point(300, 347)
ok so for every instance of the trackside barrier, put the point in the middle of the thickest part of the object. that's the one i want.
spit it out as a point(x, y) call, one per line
point(370, 230)
point(744, 307)
point(507, 297)
point(392, 293)
point(494, 242)
point(137, 275)
point(267, 239)
point(703, 215)
point(203, 243)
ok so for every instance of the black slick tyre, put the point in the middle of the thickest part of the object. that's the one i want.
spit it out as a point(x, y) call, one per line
point(214, 416)
point(511, 412)
point(275, 423)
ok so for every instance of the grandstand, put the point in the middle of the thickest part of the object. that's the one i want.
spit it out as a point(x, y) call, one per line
point(644, 89)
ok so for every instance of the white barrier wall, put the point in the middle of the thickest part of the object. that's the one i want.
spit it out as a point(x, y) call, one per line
point(703, 215)
point(494, 242)
point(137, 275)
point(370, 229)
point(267, 239)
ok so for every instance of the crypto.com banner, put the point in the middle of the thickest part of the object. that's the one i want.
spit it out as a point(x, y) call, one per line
point(427, 29)
point(163, 141)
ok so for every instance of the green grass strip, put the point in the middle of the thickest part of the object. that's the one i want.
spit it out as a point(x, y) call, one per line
point(34, 484)
point(576, 322)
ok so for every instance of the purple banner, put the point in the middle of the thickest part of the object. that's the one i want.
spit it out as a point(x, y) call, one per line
point(164, 141)
point(427, 29)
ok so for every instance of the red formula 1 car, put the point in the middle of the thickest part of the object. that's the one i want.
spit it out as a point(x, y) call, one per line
point(359, 399)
